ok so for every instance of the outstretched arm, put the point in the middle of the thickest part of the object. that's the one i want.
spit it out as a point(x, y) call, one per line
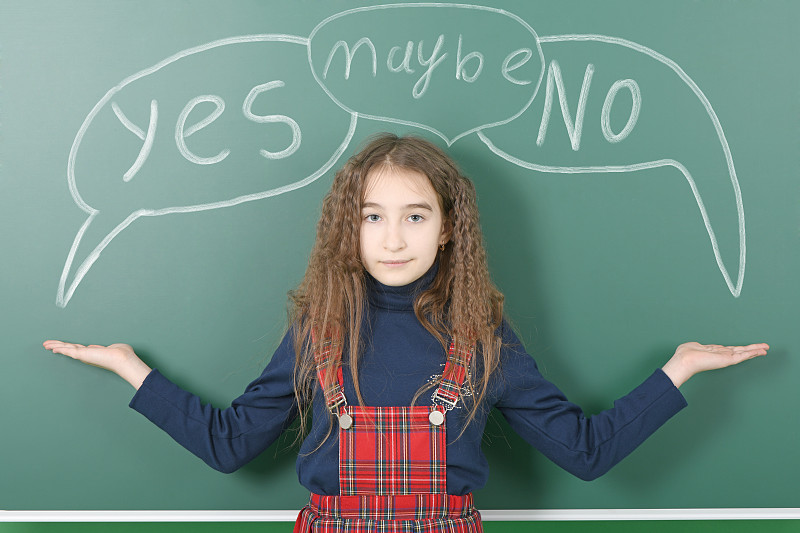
point(225, 439)
point(590, 446)
point(118, 358)
point(692, 357)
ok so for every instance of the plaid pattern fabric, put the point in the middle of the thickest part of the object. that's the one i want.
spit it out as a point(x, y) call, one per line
point(392, 463)
point(328, 357)
point(420, 513)
point(455, 372)
point(392, 450)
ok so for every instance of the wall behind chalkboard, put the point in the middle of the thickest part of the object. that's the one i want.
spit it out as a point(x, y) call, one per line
point(163, 163)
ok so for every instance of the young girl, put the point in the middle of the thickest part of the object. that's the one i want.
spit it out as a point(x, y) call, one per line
point(398, 347)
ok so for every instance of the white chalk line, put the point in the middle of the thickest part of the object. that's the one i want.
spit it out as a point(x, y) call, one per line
point(574, 130)
point(605, 114)
point(628, 168)
point(73, 189)
point(264, 119)
point(63, 296)
point(129, 125)
point(426, 127)
point(148, 140)
point(734, 289)
point(181, 134)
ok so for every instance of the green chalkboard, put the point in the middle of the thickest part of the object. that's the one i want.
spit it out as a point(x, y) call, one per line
point(162, 166)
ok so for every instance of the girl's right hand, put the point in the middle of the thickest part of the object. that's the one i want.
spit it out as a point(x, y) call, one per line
point(118, 358)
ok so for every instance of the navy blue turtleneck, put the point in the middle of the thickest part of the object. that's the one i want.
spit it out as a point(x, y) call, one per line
point(399, 356)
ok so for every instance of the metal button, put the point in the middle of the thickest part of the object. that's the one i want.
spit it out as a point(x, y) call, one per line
point(345, 421)
point(436, 417)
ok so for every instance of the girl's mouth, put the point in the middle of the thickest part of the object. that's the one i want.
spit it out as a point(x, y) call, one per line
point(395, 263)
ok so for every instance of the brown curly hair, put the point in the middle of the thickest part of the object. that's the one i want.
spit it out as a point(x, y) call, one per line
point(462, 304)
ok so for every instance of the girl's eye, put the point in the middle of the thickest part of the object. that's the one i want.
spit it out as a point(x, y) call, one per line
point(416, 218)
point(372, 218)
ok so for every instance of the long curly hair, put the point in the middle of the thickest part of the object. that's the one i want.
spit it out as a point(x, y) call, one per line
point(462, 304)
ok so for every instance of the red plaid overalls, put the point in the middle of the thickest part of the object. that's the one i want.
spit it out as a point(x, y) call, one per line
point(392, 463)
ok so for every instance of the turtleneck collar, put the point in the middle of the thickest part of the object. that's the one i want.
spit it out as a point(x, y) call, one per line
point(398, 298)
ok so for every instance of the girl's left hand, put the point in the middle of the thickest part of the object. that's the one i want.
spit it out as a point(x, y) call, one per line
point(693, 357)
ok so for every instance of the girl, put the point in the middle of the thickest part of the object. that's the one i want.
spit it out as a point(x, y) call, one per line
point(398, 347)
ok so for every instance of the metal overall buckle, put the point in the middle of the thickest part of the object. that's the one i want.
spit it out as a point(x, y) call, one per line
point(437, 417)
point(345, 420)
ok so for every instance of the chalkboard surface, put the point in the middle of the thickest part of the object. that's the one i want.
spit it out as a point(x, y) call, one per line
point(163, 163)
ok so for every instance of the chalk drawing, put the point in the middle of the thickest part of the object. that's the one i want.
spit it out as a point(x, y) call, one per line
point(574, 129)
point(405, 65)
point(468, 69)
point(512, 62)
point(636, 108)
point(508, 66)
point(182, 132)
point(65, 290)
point(348, 54)
point(735, 288)
point(148, 138)
point(461, 64)
point(246, 109)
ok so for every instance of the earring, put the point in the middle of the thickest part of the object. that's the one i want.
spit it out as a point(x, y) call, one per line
point(441, 247)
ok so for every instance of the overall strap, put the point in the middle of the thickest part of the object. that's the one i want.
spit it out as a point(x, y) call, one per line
point(328, 357)
point(455, 372)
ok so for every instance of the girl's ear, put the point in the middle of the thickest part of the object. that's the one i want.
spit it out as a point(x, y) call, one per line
point(447, 228)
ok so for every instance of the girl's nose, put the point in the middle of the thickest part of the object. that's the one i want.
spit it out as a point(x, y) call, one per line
point(393, 239)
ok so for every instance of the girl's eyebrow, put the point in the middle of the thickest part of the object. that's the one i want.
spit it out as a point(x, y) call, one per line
point(423, 205)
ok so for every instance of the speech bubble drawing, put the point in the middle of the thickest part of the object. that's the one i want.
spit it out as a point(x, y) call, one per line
point(416, 56)
point(573, 111)
point(442, 64)
point(114, 150)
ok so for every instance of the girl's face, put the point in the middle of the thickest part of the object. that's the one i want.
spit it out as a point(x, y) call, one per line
point(402, 226)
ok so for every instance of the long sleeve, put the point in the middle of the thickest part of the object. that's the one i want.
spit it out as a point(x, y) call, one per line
point(225, 439)
point(585, 446)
